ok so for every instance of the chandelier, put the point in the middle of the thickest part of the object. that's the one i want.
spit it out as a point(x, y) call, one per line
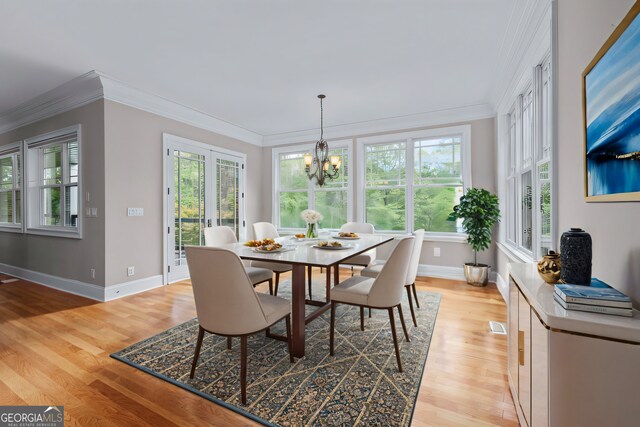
point(322, 166)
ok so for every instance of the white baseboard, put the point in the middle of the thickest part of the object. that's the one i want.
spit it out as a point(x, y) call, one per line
point(134, 287)
point(503, 287)
point(444, 272)
point(83, 289)
point(441, 272)
point(88, 290)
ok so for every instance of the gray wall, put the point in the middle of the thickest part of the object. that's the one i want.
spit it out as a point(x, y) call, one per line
point(483, 175)
point(134, 178)
point(58, 256)
point(583, 27)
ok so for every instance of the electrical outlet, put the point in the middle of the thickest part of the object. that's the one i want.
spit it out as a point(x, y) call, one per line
point(436, 252)
point(131, 271)
point(93, 273)
point(94, 212)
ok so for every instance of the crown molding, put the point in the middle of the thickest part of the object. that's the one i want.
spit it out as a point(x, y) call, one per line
point(530, 41)
point(94, 85)
point(394, 124)
point(75, 93)
point(117, 91)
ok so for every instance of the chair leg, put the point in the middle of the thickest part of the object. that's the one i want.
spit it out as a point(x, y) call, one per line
point(309, 272)
point(415, 294)
point(369, 312)
point(229, 343)
point(275, 290)
point(336, 274)
point(413, 314)
point(395, 338)
point(288, 323)
point(332, 326)
point(270, 286)
point(404, 327)
point(361, 318)
point(197, 354)
point(243, 368)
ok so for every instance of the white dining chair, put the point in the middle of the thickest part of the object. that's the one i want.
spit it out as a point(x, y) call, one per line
point(266, 230)
point(412, 272)
point(219, 236)
point(366, 258)
point(383, 292)
point(228, 305)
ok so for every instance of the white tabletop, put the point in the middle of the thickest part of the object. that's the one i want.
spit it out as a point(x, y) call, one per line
point(304, 252)
point(540, 296)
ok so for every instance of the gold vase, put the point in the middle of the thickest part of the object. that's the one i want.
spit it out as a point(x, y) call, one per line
point(549, 268)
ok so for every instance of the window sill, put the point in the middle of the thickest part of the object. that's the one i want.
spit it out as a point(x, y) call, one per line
point(446, 237)
point(428, 237)
point(514, 254)
point(11, 228)
point(55, 232)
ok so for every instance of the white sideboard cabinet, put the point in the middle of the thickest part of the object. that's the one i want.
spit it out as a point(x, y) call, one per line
point(569, 368)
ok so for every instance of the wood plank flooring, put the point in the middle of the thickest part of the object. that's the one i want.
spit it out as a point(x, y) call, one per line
point(54, 350)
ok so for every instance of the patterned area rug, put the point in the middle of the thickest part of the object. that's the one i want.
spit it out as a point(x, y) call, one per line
point(360, 385)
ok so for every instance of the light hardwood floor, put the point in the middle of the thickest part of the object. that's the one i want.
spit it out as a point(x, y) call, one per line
point(54, 349)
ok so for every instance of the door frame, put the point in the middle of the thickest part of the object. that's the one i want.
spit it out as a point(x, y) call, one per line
point(171, 141)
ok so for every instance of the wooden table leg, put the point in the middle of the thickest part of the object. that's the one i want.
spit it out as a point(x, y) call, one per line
point(297, 308)
point(328, 285)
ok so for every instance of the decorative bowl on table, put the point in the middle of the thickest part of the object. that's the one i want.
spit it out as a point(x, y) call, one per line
point(330, 245)
point(346, 235)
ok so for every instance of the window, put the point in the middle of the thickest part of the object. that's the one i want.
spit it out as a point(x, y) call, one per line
point(437, 182)
point(413, 180)
point(528, 207)
point(296, 192)
point(10, 187)
point(385, 186)
point(53, 183)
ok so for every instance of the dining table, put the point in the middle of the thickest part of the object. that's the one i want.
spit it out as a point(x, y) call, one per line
point(302, 254)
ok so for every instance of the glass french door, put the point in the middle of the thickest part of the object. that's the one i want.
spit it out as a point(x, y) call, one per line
point(204, 188)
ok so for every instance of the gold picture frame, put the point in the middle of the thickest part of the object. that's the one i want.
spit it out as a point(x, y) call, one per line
point(606, 141)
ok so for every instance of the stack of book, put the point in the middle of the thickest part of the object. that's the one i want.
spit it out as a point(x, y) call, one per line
point(597, 298)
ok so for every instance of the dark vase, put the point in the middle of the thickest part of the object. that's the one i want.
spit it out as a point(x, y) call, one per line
point(575, 257)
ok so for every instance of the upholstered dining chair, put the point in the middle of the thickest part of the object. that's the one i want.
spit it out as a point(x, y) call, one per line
point(218, 236)
point(228, 305)
point(412, 272)
point(383, 292)
point(365, 258)
point(266, 230)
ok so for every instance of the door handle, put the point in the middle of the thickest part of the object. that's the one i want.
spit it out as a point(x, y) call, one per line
point(209, 222)
point(521, 347)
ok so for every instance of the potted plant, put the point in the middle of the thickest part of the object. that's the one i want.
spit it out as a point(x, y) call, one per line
point(479, 211)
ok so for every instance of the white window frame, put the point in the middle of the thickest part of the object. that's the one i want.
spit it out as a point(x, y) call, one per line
point(541, 152)
point(308, 148)
point(409, 138)
point(7, 151)
point(32, 179)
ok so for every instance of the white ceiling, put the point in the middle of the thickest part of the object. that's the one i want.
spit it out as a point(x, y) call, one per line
point(260, 64)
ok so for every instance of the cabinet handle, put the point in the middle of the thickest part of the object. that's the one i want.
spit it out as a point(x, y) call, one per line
point(521, 347)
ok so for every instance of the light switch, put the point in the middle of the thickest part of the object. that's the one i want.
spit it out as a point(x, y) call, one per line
point(135, 211)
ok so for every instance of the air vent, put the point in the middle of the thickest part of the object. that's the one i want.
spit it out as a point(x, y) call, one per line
point(497, 328)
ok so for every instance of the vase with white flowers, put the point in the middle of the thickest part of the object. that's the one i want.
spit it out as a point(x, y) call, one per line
point(312, 218)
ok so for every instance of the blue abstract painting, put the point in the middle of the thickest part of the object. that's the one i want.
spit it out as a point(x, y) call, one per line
point(612, 101)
